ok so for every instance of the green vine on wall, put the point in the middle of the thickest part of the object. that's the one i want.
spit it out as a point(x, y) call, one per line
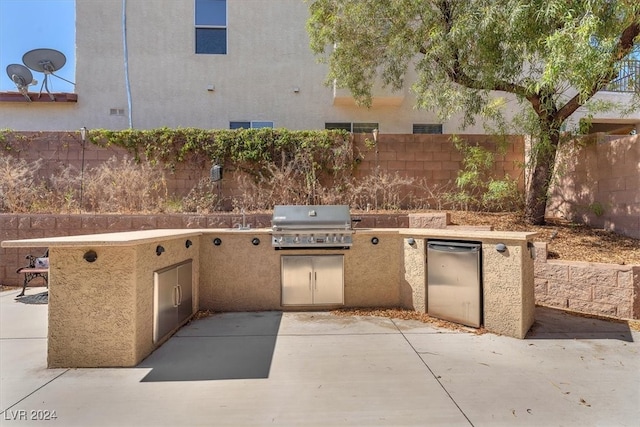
point(313, 155)
point(173, 146)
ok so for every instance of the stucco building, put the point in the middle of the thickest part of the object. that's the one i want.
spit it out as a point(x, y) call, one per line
point(217, 64)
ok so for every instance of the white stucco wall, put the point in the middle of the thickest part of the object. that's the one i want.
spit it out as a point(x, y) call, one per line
point(268, 55)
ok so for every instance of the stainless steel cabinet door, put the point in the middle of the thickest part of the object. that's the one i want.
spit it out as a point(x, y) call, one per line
point(297, 280)
point(172, 298)
point(164, 304)
point(328, 279)
point(317, 279)
point(185, 291)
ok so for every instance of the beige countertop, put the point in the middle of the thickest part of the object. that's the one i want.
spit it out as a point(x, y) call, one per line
point(125, 238)
point(128, 238)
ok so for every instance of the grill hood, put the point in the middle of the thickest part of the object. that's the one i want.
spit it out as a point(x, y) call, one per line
point(311, 217)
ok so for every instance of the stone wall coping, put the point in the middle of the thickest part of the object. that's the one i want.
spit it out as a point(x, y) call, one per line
point(596, 265)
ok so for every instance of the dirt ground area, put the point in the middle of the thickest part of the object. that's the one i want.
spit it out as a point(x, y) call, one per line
point(566, 241)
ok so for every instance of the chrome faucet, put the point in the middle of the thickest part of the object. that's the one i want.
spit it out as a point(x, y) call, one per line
point(244, 225)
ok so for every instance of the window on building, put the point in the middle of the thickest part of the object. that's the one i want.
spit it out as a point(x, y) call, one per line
point(352, 127)
point(250, 125)
point(336, 126)
point(211, 26)
point(364, 127)
point(427, 128)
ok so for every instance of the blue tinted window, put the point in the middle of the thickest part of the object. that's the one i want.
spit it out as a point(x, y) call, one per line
point(211, 40)
point(258, 125)
point(211, 23)
point(239, 125)
point(211, 13)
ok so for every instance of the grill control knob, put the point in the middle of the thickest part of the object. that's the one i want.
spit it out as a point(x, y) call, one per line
point(296, 239)
point(312, 239)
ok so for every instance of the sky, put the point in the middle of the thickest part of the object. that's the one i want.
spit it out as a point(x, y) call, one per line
point(33, 24)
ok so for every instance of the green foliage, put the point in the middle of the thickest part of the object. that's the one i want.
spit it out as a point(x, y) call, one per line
point(551, 56)
point(597, 208)
point(10, 140)
point(476, 188)
point(252, 150)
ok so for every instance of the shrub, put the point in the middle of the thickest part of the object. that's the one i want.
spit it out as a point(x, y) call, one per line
point(124, 186)
point(381, 190)
point(476, 188)
point(64, 189)
point(19, 189)
point(203, 198)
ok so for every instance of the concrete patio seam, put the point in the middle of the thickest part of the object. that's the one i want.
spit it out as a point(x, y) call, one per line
point(35, 391)
point(432, 373)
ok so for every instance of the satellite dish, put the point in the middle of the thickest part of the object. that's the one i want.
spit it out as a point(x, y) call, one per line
point(22, 77)
point(46, 61)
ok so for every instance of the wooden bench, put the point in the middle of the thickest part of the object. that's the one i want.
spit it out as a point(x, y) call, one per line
point(38, 267)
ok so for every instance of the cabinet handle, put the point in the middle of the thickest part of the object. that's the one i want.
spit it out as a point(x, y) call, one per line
point(179, 294)
point(315, 280)
point(175, 296)
point(310, 288)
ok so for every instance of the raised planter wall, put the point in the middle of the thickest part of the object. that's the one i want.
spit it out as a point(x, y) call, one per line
point(599, 289)
point(594, 288)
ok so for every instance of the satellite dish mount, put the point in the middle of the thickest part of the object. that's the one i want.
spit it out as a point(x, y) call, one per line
point(22, 78)
point(46, 61)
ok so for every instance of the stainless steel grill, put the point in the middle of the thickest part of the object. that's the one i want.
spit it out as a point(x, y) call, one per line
point(314, 226)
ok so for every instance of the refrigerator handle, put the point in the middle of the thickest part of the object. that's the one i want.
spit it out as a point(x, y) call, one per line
point(179, 294)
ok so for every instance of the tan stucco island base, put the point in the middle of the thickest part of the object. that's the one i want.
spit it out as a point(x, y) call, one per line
point(101, 311)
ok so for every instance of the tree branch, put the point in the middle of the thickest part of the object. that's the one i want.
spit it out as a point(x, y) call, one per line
point(624, 47)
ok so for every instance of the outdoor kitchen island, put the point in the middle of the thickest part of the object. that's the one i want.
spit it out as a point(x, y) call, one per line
point(103, 299)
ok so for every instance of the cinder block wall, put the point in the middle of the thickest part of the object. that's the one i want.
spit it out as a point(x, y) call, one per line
point(429, 157)
point(598, 182)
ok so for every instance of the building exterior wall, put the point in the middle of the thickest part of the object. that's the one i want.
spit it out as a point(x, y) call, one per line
point(268, 57)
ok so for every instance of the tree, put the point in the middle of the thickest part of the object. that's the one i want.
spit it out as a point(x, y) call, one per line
point(552, 56)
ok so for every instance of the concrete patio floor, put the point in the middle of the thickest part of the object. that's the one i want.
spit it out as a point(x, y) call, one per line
point(318, 369)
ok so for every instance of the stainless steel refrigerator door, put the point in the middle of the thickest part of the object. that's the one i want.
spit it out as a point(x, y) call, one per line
point(454, 290)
